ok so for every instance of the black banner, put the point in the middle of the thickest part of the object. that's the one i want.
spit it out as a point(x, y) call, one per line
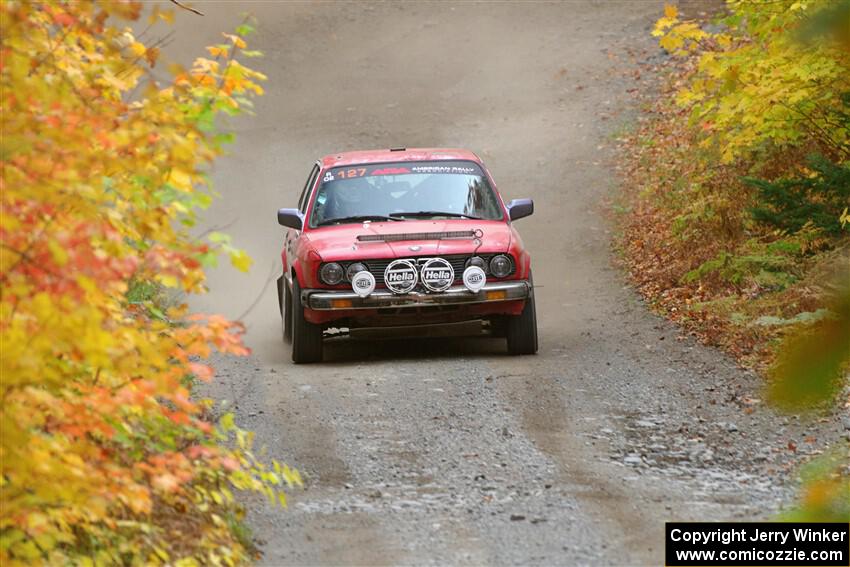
point(756, 543)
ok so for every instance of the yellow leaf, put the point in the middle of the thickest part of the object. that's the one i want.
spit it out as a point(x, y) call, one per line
point(671, 11)
point(167, 16)
point(138, 48)
point(241, 261)
point(671, 42)
point(237, 41)
point(216, 51)
point(59, 254)
point(180, 179)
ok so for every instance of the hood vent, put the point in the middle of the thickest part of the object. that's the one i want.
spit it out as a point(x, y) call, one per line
point(455, 234)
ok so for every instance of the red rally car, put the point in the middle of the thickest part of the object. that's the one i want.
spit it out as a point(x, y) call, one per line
point(391, 240)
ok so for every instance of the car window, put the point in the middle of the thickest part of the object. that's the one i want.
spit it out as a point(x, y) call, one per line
point(420, 189)
point(311, 179)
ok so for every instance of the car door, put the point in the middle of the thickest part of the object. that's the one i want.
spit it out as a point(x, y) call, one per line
point(291, 240)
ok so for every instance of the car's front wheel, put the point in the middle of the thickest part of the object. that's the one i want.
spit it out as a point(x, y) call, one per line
point(521, 329)
point(306, 336)
point(286, 313)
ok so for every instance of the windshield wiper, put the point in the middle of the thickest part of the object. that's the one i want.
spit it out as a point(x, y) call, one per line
point(434, 214)
point(356, 218)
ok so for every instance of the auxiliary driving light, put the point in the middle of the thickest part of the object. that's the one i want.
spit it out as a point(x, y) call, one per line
point(363, 283)
point(474, 278)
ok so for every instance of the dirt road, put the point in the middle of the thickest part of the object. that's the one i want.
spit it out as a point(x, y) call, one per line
point(451, 451)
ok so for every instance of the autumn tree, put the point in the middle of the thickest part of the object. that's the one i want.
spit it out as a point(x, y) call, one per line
point(776, 76)
point(105, 455)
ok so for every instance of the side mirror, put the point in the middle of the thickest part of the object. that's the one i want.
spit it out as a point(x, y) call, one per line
point(291, 218)
point(519, 208)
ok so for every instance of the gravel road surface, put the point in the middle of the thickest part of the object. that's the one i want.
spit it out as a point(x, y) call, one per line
point(450, 451)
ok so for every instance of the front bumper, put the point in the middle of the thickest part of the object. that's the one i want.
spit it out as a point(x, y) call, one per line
point(327, 300)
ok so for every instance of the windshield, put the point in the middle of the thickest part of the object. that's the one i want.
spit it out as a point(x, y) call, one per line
point(401, 191)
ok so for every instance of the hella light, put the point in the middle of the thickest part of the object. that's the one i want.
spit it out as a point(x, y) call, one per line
point(331, 273)
point(474, 278)
point(500, 266)
point(353, 269)
point(363, 283)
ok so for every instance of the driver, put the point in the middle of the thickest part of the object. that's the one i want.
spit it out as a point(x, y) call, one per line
point(347, 198)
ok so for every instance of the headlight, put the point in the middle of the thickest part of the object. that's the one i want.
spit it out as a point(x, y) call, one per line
point(476, 261)
point(353, 269)
point(331, 273)
point(500, 266)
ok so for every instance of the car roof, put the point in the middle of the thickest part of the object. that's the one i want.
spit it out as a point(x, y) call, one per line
point(398, 155)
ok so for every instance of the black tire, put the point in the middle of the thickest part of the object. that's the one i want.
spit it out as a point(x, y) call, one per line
point(522, 328)
point(306, 336)
point(286, 314)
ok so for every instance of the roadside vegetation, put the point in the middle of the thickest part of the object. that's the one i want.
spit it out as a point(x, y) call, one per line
point(106, 457)
point(736, 220)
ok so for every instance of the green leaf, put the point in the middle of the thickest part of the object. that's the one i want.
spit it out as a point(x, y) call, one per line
point(245, 29)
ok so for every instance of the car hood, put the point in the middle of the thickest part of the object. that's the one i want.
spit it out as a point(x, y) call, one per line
point(408, 238)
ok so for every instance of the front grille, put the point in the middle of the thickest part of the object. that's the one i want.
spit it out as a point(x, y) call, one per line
point(458, 262)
